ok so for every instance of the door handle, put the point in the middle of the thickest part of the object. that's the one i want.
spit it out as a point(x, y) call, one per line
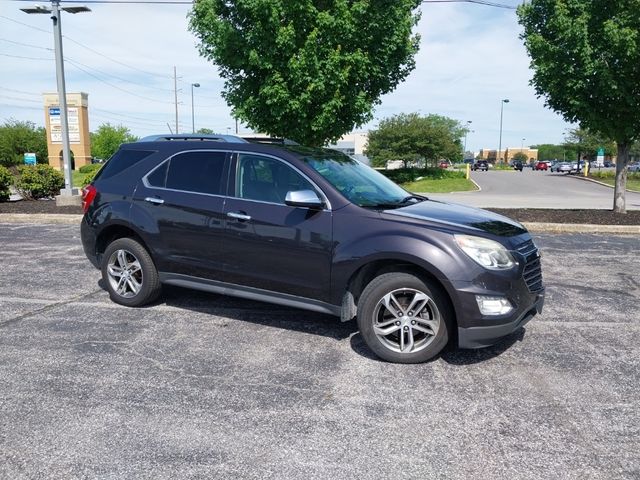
point(239, 216)
point(157, 201)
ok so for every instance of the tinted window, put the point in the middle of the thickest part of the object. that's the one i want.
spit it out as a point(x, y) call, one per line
point(267, 180)
point(158, 176)
point(120, 161)
point(197, 172)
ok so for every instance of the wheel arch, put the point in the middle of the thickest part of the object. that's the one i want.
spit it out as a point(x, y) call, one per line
point(367, 272)
point(113, 232)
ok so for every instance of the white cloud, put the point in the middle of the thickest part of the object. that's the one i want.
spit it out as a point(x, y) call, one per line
point(470, 59)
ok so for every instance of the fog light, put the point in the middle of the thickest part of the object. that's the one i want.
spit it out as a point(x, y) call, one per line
point(493, 305)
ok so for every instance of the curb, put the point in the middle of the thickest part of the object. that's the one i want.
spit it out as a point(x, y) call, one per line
point(41, 218)
point(533, 227)
point(593, 180)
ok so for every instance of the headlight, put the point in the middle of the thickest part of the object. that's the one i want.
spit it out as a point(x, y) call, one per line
point(485, 252)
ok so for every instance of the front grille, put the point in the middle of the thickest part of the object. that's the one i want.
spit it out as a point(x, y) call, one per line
point(532, 273)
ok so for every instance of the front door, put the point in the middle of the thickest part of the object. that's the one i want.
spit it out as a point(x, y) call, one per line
point(268, 244)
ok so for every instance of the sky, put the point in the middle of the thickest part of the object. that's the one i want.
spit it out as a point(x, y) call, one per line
point(123, 56)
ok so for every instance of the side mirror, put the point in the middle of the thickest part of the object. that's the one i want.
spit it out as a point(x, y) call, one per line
point(303, 198)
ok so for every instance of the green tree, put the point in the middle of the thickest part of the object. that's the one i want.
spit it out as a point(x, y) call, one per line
point(549, 151)
point(585, 143)
point(205, 131)
point(18, 138)
point(521, 156)
point(308, 70)
point(586, 60)
point(415, 139)
point(106, 140)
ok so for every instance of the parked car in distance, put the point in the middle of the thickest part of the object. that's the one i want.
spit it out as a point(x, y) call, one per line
point(540, 166)
point(312, 229)
point(517, 165)
point(634, 167)
point(609, 164)
point(444, 164)
point(482, 165)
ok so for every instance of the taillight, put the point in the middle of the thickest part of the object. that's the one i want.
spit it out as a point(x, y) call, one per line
point(88, 194)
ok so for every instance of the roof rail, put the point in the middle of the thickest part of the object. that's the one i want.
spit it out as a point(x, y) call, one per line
point(193, 137)
point(269, 140)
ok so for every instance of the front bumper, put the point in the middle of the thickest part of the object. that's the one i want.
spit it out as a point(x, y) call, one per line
point(484, 336)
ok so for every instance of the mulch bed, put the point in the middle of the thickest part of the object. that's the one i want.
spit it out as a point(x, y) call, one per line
point(595, 217)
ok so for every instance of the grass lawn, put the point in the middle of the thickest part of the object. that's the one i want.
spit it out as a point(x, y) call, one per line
point(632, 183)
point(76, 178)
point(445, 185)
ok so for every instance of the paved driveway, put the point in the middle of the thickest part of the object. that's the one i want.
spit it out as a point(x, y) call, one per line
point(203, 386)
point(531, 189)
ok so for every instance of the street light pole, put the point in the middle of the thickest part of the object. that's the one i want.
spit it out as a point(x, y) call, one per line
point(60, 80)
point(505, 100)
point(193, 121)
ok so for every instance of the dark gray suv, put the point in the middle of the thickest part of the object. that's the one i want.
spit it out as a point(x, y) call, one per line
point(313, 229)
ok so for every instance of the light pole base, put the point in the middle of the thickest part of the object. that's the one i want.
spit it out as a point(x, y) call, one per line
point(68, 197)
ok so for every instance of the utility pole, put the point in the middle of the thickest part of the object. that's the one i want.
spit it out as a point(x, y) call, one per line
point(502, 102)
point(175, 94)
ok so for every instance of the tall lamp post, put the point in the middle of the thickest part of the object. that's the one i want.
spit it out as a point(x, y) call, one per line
point(505, 100)
point(62, 90)
point(466, 131)
point(193, 118)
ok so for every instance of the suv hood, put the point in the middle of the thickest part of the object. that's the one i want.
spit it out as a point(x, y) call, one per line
point(461, 216)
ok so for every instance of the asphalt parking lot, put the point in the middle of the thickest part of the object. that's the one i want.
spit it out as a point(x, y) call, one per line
point(203, 386)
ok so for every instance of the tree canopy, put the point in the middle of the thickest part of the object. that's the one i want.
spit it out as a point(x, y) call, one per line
point(412, 138)
point(586, 60)
point(309, 70)
point(108, 138)
point(18, 138)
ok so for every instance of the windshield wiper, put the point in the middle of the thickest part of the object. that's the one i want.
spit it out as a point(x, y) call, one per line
point(420, 198)
point(398, 204)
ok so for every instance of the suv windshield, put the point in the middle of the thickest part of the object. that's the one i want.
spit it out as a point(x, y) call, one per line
point(359, 183)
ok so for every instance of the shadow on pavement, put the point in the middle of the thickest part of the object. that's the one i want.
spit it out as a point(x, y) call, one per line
point(286, 318)
point(260, 313)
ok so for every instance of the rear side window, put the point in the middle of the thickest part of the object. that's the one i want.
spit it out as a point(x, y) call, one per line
point(199, 172)
point(120, 161)
point(158, 176)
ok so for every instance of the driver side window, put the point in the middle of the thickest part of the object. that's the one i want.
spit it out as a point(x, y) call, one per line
point(267, 180)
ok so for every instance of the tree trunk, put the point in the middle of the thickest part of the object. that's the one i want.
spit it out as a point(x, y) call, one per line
point(619, 201)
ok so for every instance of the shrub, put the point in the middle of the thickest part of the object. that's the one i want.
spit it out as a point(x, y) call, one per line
point(89, 171)
point(6, 179)
point(406, 175)
point(39, 181)
point(90, 168)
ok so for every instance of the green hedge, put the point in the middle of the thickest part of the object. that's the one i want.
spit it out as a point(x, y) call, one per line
point(406, 175)
point(6, 179)
point(90, 168)
point(39, 181)
point(594, 173)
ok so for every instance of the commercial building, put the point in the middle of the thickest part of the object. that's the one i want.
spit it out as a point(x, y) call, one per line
point(507, 154)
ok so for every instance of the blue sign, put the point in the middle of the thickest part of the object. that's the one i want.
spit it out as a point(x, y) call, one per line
point(30, 158)
point(54, 111)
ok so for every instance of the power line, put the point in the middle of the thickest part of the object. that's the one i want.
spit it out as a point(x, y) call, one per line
point(26, 58)
point(26, 44)
point(186, 2)
point(116, 61)
point(115, 86)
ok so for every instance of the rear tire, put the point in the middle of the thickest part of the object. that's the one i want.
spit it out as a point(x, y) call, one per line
point(129, 273)
point(403, 318)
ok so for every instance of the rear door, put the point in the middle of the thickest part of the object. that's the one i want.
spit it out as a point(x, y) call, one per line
point(184, 199)
point(268, 244)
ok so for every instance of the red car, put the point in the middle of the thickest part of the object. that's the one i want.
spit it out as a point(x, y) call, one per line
point(443, 164)
point(540, 166)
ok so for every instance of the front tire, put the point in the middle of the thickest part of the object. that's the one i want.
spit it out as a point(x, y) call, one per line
point(404, 319)
point(129, 273)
